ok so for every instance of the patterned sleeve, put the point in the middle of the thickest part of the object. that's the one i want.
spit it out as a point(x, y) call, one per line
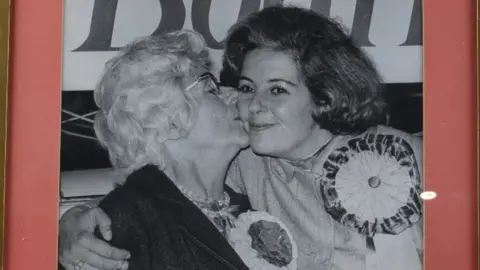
point(416, 143)
point(417, 230)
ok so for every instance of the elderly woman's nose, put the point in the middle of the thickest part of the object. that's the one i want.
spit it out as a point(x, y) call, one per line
point(231, 96)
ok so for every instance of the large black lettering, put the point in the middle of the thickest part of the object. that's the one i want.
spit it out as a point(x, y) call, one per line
point(103, 19)
point(415, 30)
point(173, 16)
point(201, 13)
point(248, 7)
point(321, 6)
point(269, 3)
point(200, 22)
point(101, 28)
point(361, 22)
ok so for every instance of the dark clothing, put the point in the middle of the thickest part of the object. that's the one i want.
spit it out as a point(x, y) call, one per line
point(162, 229)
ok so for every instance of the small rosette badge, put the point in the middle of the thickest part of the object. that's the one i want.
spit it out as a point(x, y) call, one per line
point(263, 242)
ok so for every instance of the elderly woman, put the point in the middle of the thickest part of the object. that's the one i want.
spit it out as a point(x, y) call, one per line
point(161, 113)
point(320, 157)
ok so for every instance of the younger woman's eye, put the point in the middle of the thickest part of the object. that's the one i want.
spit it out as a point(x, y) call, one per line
point(278, 90)
point(245, 89)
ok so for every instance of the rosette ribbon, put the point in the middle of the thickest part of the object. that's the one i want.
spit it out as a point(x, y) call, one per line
point(372, 185)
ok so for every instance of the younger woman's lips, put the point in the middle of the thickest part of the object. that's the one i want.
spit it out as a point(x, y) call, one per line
point(259, 127)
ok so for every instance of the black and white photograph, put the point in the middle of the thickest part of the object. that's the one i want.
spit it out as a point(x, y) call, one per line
point(241, 134)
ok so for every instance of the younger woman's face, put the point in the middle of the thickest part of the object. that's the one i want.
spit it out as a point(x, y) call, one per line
point(275, 105)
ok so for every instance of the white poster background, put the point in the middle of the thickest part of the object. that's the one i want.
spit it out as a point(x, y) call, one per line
point(389, 27)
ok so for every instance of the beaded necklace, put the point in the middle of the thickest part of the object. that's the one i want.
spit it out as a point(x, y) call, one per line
point(217, 211)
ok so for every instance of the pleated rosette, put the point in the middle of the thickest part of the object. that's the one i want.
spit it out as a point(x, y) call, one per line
point(263, 242)
point(372, 185)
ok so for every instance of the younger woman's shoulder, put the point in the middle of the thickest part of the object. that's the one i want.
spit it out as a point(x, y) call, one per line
point(386, 135)
point(414, 139)
point(390, 130)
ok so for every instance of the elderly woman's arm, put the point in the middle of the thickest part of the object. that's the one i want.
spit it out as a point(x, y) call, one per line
point(77, 241)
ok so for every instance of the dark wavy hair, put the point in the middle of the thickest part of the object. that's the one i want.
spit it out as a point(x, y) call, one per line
point(342, 80)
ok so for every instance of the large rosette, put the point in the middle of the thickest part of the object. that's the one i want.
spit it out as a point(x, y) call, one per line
point(372, 185)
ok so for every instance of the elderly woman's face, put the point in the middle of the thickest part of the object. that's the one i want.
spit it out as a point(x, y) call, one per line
point(274, 104)
point(217, 118)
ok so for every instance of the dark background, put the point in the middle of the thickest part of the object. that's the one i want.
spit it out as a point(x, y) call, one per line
point(405, 100)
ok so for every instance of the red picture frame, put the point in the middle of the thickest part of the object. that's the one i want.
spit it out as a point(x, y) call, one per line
point(450, 108)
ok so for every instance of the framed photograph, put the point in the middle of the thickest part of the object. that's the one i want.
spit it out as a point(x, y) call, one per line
point(78, 128)
point(4, 56)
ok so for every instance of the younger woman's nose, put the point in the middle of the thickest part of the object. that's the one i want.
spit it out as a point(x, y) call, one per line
point(257, 104)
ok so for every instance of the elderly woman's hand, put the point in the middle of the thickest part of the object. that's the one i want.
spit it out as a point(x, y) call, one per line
point(78, 246)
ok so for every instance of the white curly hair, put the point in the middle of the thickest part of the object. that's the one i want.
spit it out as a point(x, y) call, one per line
point(141, 99)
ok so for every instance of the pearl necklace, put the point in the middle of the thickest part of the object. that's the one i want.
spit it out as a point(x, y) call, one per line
point(218, 211)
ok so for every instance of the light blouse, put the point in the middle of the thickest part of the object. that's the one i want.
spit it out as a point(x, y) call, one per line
point(291, 192)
